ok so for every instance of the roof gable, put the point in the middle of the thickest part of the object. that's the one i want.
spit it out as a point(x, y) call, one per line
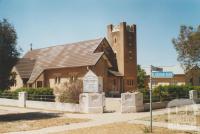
point(25, 67)
point(63, 56)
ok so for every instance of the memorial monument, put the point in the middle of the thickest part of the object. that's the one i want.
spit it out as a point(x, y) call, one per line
point(92, 98)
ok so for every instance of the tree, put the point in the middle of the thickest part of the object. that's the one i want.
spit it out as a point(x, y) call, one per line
point(8, 52)
point(187, 45)
point(141, 76)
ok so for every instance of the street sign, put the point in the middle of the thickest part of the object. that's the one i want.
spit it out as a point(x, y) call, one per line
point(161, 74)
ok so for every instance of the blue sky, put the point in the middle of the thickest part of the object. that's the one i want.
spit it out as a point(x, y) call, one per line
point(50, 22)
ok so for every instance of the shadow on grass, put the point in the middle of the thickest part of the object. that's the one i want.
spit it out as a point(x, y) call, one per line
point(27, 116)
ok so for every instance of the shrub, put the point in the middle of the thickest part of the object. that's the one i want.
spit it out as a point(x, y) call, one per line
point(8, 94)
point(146, 130)
point(70, 92)
point(35, 91)
point(167, 93)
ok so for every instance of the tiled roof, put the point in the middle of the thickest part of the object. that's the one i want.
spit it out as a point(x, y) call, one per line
point(24, 67)
point(61, 56)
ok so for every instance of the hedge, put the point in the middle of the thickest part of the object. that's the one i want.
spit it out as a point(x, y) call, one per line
point(170, 92)
point(31, 91)
point(35, 91)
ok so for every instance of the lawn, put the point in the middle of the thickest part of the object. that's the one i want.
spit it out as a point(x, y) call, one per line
point(33, 120)
point(122, 128)
point(181, 117)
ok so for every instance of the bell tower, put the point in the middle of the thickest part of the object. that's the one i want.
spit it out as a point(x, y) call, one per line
point(122, 39)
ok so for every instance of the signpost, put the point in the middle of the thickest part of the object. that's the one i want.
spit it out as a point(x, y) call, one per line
point(156, 72)
point(162, 74)
point(152, 68)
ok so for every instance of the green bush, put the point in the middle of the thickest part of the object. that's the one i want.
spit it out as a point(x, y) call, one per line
point(35, 91)
point(170, 92)
point(32, 92)
point(8, 94)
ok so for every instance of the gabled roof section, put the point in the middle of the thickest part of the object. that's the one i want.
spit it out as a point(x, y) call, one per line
point(115, 73)
point(25, 67)
point(63, 56)
point(196, 67)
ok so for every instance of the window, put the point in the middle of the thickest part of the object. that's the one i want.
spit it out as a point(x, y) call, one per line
point(130, 44)
point(14, 83)
point(13, 79)
point(39, 84)
point(130, 82)
point(191, 81)
point(73, 78)
point(114, 82)
point(115, 40)
point(57, 80)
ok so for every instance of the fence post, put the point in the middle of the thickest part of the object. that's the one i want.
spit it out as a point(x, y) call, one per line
point(193, 94)
point(91, 102)
point(22, 96)
point(132, 102)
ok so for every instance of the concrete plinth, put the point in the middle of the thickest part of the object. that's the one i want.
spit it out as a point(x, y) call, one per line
point(91, 102)
point(132, 102)
point(193, 94)
point(22, 96)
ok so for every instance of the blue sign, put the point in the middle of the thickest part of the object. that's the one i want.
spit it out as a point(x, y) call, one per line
point(161, 74)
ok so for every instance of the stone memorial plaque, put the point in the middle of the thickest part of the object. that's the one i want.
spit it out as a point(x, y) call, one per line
point(131, 102)
point(129, 99)
point(91, 83)
point(95, 100)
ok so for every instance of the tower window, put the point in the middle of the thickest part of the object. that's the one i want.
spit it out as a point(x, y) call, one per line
point(130, 82)
point(114, 82)
point(130, 44)
point(115, 40)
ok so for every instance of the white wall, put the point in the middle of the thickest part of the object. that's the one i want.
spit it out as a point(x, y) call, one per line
point(9, 102)
point(67, 107)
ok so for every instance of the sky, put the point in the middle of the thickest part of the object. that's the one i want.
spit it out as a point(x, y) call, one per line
point(52, 22)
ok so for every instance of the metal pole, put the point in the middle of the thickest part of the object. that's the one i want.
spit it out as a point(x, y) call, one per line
point(151, 98)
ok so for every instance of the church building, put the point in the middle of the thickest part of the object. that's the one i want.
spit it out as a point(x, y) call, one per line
point(114, 58)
